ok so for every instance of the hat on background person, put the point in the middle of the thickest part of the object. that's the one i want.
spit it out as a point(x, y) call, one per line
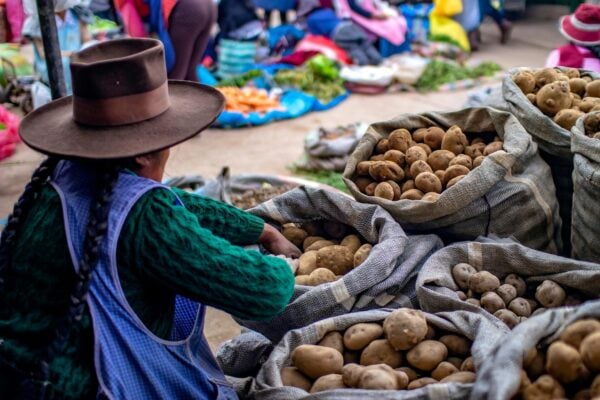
point(122, 106)
point(583, 26)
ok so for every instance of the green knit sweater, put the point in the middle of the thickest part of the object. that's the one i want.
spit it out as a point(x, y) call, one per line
point(162, 250)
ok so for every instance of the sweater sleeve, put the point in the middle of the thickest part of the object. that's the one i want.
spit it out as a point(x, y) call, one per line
point(169, 247)
point(226, 221)
point(358, 9)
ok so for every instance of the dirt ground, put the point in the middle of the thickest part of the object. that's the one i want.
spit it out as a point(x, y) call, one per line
point(269, 149)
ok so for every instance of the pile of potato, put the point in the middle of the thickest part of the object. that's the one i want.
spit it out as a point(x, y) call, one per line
point(562, 95)
point(510, 301)
point(568, 368)
point(591, 125)
point(253, 197)
point(422, 164)
point(404, 353)
point(331, 250)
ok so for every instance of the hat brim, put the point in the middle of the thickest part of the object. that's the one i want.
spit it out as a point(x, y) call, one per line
point(52, 130)
point(572, 34)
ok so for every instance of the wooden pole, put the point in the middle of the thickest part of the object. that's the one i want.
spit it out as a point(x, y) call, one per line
point(52, 53)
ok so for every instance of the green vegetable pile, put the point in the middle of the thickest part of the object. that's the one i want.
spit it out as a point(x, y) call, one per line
point(240, 80)
point(439, 72)
point(319, 77)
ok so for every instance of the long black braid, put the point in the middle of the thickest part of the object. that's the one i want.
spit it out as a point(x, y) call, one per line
point(35, 383)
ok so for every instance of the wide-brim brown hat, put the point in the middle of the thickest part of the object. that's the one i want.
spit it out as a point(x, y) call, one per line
point(122, 105)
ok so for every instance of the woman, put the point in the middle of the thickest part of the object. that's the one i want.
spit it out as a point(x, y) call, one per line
point(486, 9)
point(183, 26)
point(582, 30)
point(102, 268)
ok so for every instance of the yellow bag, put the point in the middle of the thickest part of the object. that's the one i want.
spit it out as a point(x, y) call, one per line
point(445, 27)
point(447, 8)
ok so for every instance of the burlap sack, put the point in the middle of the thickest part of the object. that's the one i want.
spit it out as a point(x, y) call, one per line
point(499, 376)
point(268, 384)
point(436, 287)
point(555, 147)
point(585, 229)
point(385, 279)
point(513, 185)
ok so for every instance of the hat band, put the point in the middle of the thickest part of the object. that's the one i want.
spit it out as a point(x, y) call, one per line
point(582, 26)
point(122, 110)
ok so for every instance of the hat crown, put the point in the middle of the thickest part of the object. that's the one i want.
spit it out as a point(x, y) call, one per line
point(588, 14)
point(118, 68)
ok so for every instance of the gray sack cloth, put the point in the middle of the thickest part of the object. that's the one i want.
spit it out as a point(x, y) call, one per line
point(268, 385)
point(309, 163)
point(500, 374)
point(585, 229)
point(385, 279)
point(555, 147)
point(510, 193)
point(436, 287)
point(316, 146)
point(243, 355)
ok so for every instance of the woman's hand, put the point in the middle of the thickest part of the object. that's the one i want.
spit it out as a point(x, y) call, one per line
point(277, 244)
point(379, 15)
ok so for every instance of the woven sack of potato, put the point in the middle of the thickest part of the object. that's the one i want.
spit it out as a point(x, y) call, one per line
point(554, 355)
point(476, 338)
point(585, 230)
point(554, 138)
point(503, 280)
point(385, 279)
point(510, 184)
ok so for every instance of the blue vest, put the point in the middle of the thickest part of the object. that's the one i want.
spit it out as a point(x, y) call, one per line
point(130, 361)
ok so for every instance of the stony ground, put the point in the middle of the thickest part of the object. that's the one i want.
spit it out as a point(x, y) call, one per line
point(269, 149)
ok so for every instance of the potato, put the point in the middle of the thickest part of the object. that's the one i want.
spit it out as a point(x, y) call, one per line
point(456, 345)
point(595, 388)
point(380, 351)
point(468, 365)
point(386, 170)
point(362, 182)
point(310, 240)
point(317, 361)
point(454, 140)
point(517, 282)
point(333, 340)
point(421, 382)
point(545, 76)
point(508, 317)
point(412, 194)
point(358, 336)
point(462, 159)
point(405, 328)
point(554, 97)
point(319, 244)
point(362, 168)
point(544, 388)
point(507, 292)
point(290, 376)
point(419, 167)
point(454, 181)
point(433, 137)
point(427, 182)
point(412, 375)
point(592, 89)
point(461, 273)
point(520, 307)
point(563, 362)
point(577, 86)
point(579, 330)
point(395, 156)
point(525, 81)
point(382, 146)
point(400, 140)
point(351, 374)
point(295, 235)
point(440, 174)
point(566, 118)
point(589, 103)
point(382, 377)
point(377, 157)
point(443, 370)
point(320, 276)
point(550, 294)
point(590, 351)
point(370, 189)
point(415, 153)
point(440, 159)
point(419, 135)
point(328, 382)
point(460, 377)
point(337, 259)
point(453, 172)
point(571, 72)
point(461, 295)
point(384, 191)
point(396, 189)
point(491, 302)
point(307, 263)
point(474, 150)
point(427, 355)
point(478, 161)
point(362, 254)
point(474, 302)
point(431, 197)
point(425, 147)
point(537, 367)
point(492, 148)
point(352, 242)
point(532, 98)
point(303, 280)
point(483, 281)
point(407, 185)
point(457, 362)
